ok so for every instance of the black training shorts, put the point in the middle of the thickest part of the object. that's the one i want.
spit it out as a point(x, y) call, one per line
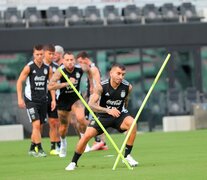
point(109, 121)
point(37, 111)
point(65, 105)
point(50, 113)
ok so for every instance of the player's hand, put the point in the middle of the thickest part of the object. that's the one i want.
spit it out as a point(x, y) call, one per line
point(53, 105)
point(21, 103)
point(114, 112)
point(73, 80)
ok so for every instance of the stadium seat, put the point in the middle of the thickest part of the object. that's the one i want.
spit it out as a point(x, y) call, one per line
point(74, 16)
point(149, 70)
point(204, 97)
point(192, 96)
point(92, 16)
point(160, 86)
point(55, 17)
point(169, 13)
point(132, 14)
point(5, 87)
point(157, 106)
point(157, 103)
point(33, 17)
point(126, 58)
point(102, 62)
point(111, 15)
point(1, 21)
point(151, 14)
point(175, 103)
point(188, 11)
point(13, 18)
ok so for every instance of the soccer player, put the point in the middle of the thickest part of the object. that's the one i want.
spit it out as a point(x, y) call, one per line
point(49, 51)
point(36, 75)
point(68, 102)
point(94, 79)
point(109, 101)
point(58, 56)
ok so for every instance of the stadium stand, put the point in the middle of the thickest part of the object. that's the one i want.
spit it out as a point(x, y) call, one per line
point(107, 15)
point(13, 18)
point(175, 102)
point(191, 96)
point(188, 11)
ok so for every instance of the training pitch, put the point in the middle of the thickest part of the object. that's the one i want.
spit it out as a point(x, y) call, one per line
point(177, 155)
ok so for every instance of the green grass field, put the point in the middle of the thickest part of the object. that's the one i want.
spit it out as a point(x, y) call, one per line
point(179, 155)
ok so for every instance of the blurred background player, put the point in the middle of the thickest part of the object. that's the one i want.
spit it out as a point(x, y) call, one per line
point(68, 102)
point(36, 75)
point(49, 51)
point(94, 79)
point(58, 56)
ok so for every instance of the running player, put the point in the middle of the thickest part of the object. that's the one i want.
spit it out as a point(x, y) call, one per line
point(109, 101)
point(94, 79)
point(68, 102)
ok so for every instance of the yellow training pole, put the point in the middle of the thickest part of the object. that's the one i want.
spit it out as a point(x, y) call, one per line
point(94, 116)
point(140, 109)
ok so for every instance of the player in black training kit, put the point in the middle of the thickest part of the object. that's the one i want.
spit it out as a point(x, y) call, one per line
point(109, 101)
point(36, 75)
point(53, 121)
point(94, 79)
point(68, 102)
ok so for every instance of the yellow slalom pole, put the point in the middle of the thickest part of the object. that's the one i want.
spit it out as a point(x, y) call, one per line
point(95, 118)
point(141, 108)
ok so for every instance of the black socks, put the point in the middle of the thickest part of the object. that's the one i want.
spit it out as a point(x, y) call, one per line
point(76, 156)
point(128, 150)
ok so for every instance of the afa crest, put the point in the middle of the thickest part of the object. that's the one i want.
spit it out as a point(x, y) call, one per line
point(123, 93)
point(77, 75)
point(45, 71)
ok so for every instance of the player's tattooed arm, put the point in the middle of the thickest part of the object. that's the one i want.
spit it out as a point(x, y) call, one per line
point(94, 103)
point(54, 81)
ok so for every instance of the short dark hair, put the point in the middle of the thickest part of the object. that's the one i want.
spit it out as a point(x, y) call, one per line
point(38, 47)
point(49, 47)
point(121, 66)
point(83, 55)
point(68, 52)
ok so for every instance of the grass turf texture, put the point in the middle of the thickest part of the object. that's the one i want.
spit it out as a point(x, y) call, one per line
point(177, 155)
